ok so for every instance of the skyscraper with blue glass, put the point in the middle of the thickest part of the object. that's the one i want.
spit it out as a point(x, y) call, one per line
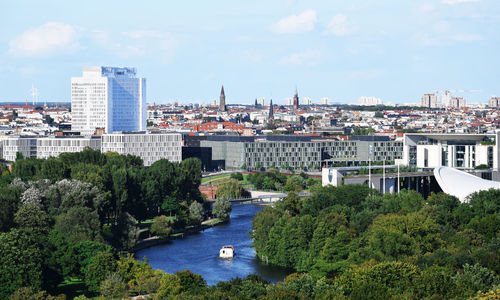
point(108, 98)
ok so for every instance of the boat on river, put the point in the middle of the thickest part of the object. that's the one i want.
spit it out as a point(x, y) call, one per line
point(226, 252)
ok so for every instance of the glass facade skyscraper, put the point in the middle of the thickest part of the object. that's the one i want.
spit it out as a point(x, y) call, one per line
point(108, 98)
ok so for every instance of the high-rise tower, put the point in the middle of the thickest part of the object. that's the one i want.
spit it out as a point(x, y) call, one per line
point(271, 110)
point(222, 103)
point(296, 100)
point(109, 98)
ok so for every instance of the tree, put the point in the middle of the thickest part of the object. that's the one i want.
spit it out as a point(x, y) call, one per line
point(29, 293)
point(9, 202)
point(294, 183)
point(196, 213)
point(125, 231)
point(475, 278)
point(79, 224)
point(31, 218)
point(32, 196)
point(222, 209)
point(291, 203)
point(170, 205)
point(229, 188)
point(101, 266)
point(20, 263)
point(53, 169)
point(162, 227)
point(113, 287)
point(238, 176)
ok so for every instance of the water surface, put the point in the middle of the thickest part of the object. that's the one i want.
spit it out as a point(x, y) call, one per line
point(200, 252)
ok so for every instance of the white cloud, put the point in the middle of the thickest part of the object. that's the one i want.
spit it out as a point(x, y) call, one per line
point(339, 26)
point(458, 1)
point(308, 57)
point(44, 40)
point(140, 43)
point(303, 22)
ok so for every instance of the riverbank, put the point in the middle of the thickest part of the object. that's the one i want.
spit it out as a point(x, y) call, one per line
point(180, 234)
point(200, 252)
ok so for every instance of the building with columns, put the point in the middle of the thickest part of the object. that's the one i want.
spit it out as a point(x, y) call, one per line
point(462, 151)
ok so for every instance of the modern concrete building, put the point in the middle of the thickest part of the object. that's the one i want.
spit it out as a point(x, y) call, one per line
point(53, 146)
point(369, 101)
point(148, 146)
point(26, 145)
point(429, 101)
point(463, 151)
point(457, 102)
point(110, 98)
point(298, 153)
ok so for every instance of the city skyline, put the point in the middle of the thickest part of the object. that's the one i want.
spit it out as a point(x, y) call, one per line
point(393, 51)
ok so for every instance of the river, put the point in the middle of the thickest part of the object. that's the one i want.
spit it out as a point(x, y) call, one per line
point(199, 252)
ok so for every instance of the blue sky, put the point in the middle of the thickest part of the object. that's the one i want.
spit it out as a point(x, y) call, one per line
point(392, 49)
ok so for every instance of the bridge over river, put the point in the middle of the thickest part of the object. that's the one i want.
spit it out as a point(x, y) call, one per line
point(263, 197)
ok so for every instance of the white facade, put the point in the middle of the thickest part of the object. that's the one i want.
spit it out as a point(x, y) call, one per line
point(261, 101)
point(110, 98)
point(23, 144)
point(324, 101)
point(464, 151)
point(53, 146)
point(150, 147)
point(461, 184)
point(369, 101)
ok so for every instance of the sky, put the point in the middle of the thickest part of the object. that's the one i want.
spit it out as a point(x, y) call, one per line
point(395, 50)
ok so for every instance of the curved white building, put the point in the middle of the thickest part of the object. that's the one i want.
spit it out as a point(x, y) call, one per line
point(461, 184)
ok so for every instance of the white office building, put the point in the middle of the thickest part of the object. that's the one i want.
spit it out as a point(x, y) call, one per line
point(113, 99)
point(148, 146)
point(26, 145)
point(462, 151)
point(53, 146)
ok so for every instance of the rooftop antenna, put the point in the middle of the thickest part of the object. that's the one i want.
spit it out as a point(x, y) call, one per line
point(34, 94)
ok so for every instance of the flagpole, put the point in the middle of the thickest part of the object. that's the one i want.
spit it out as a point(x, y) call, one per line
point(383, 176)
point(370, 167)
point(398, 180)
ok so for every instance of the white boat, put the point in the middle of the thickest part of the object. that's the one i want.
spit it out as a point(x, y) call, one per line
point(226, 252)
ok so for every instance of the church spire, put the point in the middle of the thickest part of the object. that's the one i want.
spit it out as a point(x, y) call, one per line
point(222, 103)
point(271, 110)
point(296, 99)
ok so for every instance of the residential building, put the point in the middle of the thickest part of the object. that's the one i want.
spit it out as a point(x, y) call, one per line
point(369, 101)
point(429, 101)
point(110, 98)
point(494, 102)
point(150, 147)
point(457, 102)
point(324, 101)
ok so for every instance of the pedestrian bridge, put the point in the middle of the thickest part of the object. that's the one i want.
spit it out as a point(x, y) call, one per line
point(264, 197)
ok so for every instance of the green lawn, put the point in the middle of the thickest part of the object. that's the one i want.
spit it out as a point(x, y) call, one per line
point(207, 179)
point(72, 287)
